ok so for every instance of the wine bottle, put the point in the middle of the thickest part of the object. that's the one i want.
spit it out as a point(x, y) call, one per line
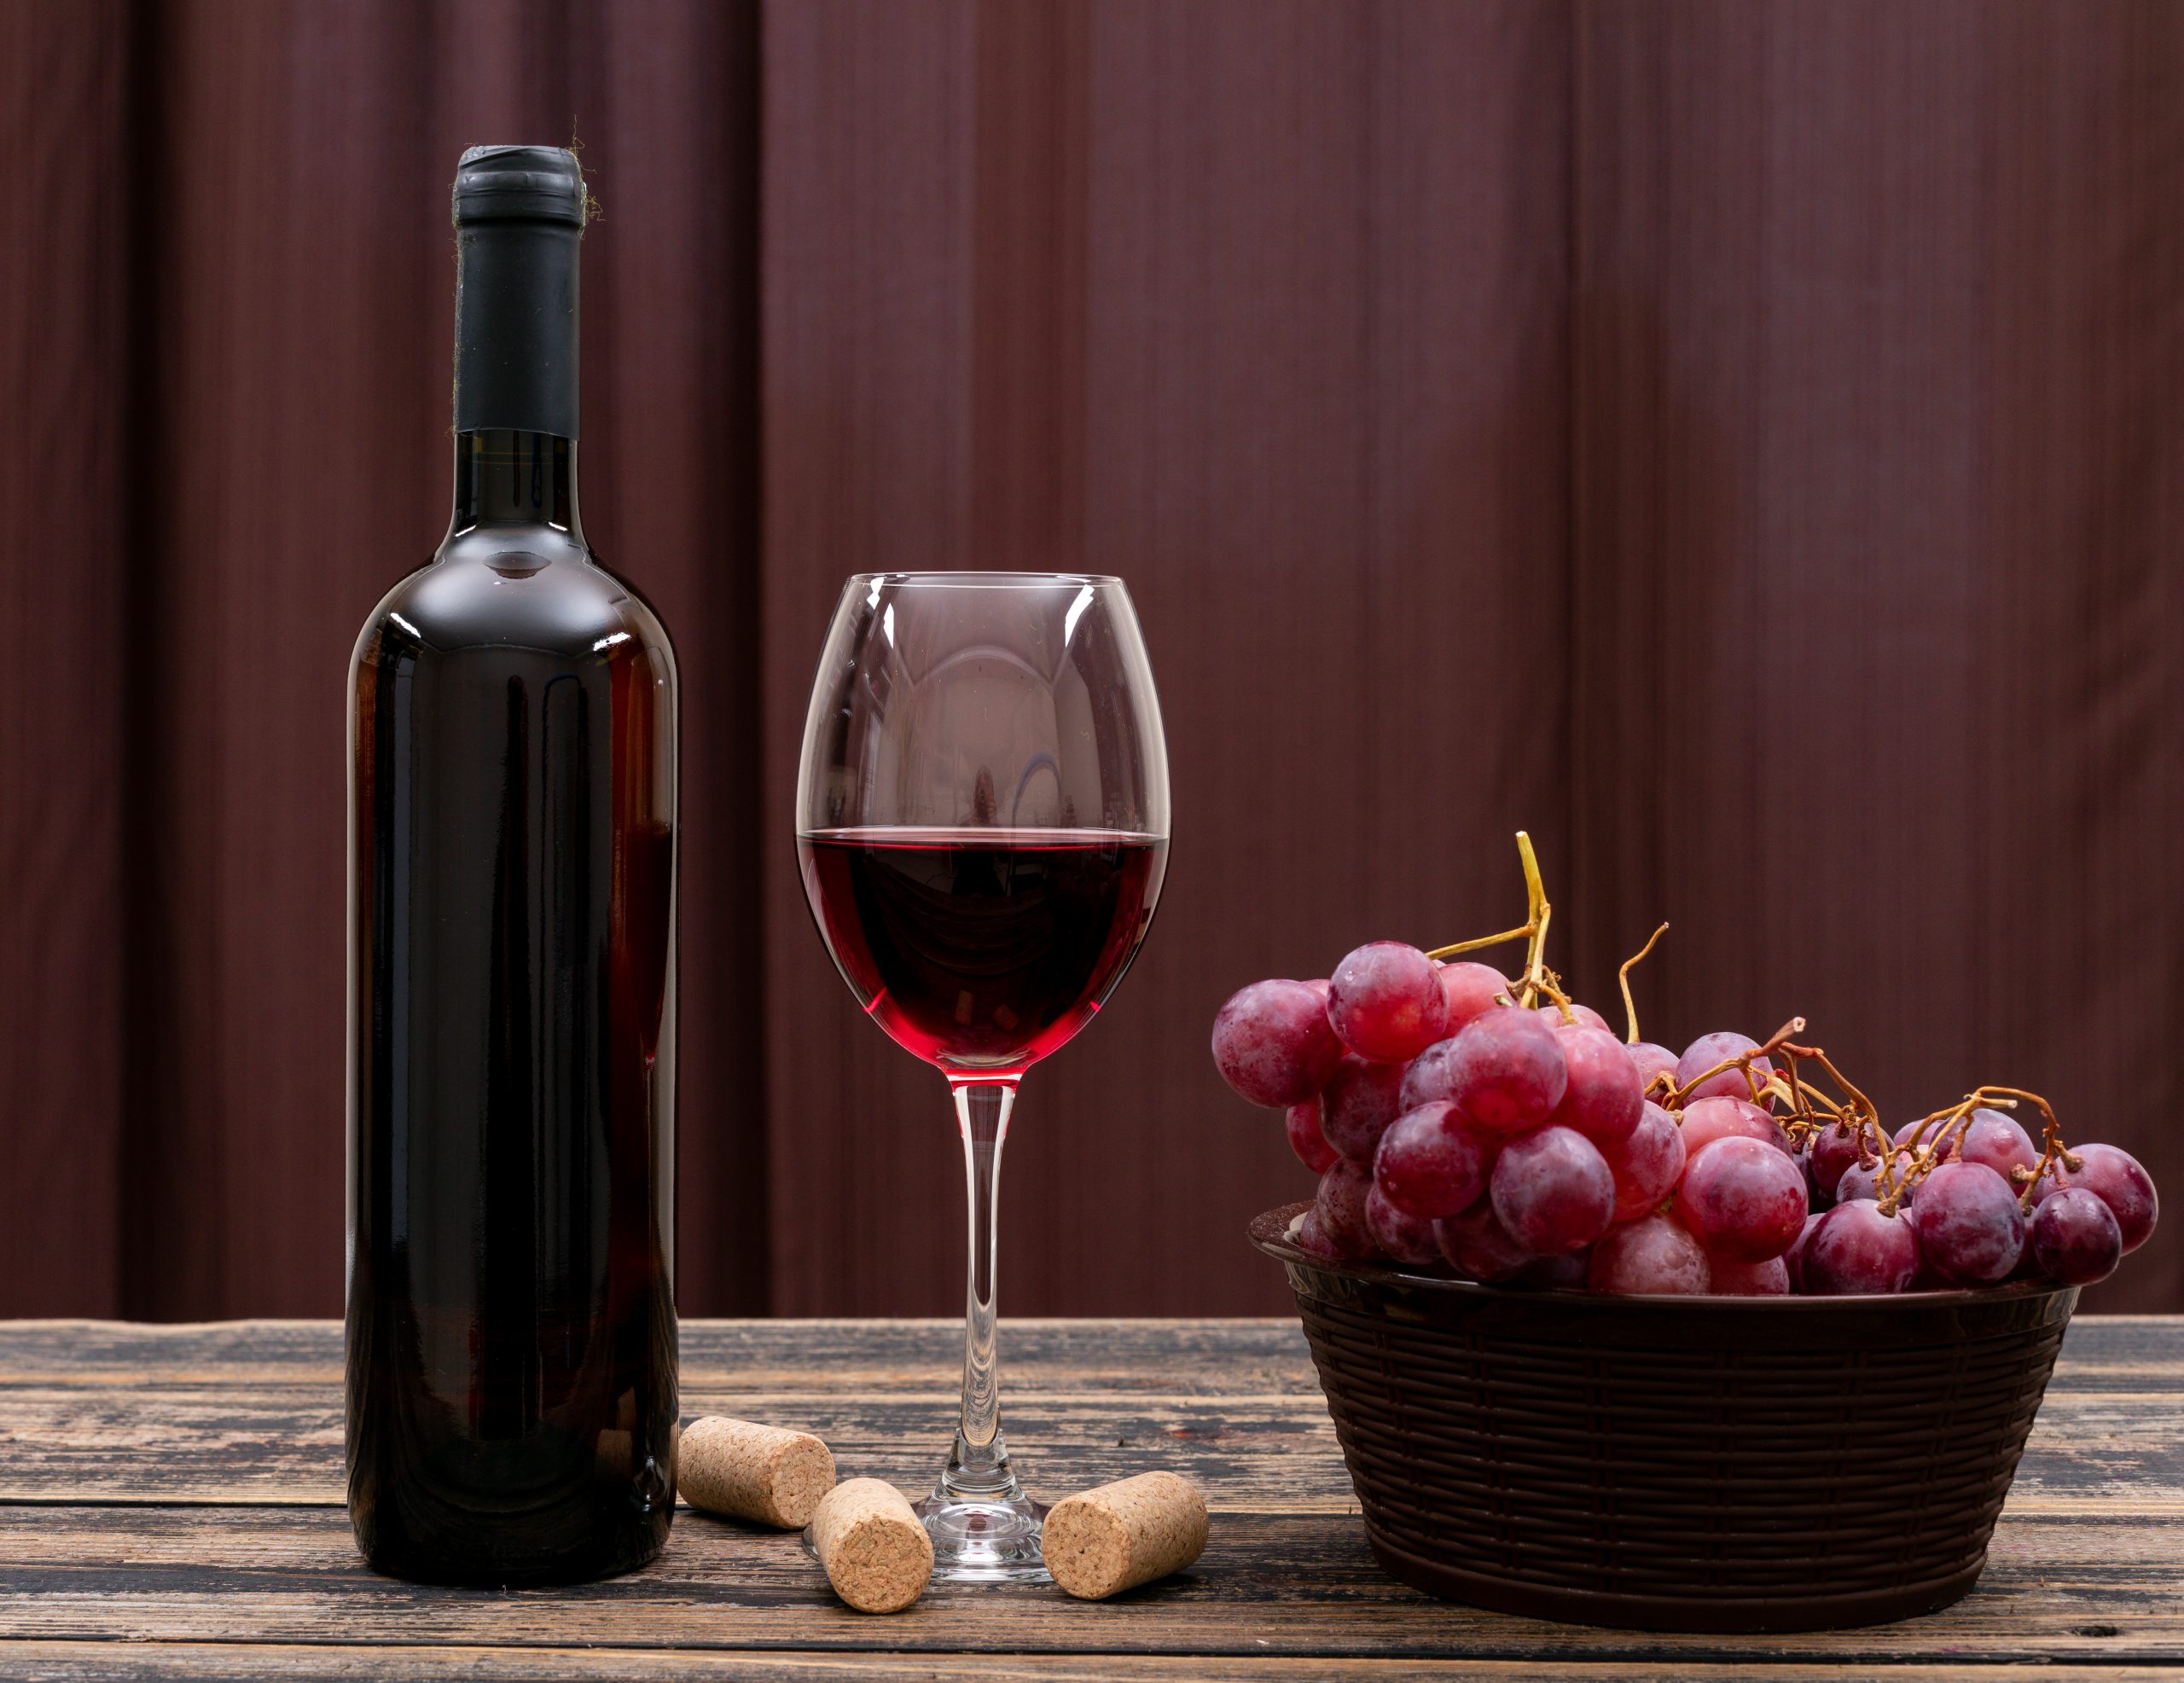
point(512, 1408)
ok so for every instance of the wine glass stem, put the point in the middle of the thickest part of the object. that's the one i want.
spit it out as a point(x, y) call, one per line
point(978, 1469)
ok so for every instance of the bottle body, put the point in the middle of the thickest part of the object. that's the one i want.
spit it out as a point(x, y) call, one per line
point(512, 1403)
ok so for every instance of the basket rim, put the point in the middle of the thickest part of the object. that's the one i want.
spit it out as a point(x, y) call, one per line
point(1268, 1233)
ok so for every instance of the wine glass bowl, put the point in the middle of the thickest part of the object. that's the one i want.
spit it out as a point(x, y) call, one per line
point(982, 834)
point(981, 952)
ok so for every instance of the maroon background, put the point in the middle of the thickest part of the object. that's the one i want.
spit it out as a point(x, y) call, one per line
point(1742, 443)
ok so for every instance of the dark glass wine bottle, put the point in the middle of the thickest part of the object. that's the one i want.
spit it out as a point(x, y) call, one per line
point(511, 1321)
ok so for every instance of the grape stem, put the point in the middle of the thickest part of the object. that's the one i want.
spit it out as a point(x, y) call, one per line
point(1777, 1042)
point(1860, 1105)
point(1860, 1110)
point(1629, 1010)
point(1443, 954)
point(1924, 1161)
point(1534, 929)
point(1854, 1113)
point(1535, 904)
point(2052, 1149)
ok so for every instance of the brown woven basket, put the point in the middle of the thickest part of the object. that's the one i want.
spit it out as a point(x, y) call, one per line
point(1672, 1463)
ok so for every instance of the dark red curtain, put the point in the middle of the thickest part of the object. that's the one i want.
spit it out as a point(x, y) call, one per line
point(1740, 444)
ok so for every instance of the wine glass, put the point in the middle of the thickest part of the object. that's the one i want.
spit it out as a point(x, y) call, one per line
point(982, 829)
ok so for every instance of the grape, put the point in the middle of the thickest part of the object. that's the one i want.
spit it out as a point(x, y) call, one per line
point(1322, 987)
point(1834, 1148)
point(1359, 1104)
point(1708, 1050)
point(1272, 1044)
point(1340, 1206)
point(1998, 1140)
point(1405, 1237)
point(1309, 1238)
point(1706, 1120)
point(1970, 1229)
point(1470, 991)
point(1769, 1279)
point(1938, 1138)
point(1478, 1247)
point(1647, 1165)
point(1793, 1259)
point(1650, 1060)
point(2118, 1180)
point(1654, 1257)
point(2076, 1237)
point(1815, 1197)
point(1742, 1200)
point(1554, 1274)
point(1929, 1277)
point(1432, 1162)
point(1600, 1096)
point(1507, 1071)
point(1427, 1077)
point(1583, 1015)
point(1862, 1180)
point(1386, 1003)
point(1552, 1191)
point(1854, 1249)
point(1306, 1138)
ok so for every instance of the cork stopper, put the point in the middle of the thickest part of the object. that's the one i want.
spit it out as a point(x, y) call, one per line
point(1102, 1541)
point(876, 1552)
point(752, 1471)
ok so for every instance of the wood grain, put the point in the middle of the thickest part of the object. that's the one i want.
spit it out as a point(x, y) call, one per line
point(1280, 1584)
point(166, 1491)
point(94, 1662)
point(250, 1414)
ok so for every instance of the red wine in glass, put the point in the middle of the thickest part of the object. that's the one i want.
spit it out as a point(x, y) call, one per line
point(982, 950)
point(982, 829)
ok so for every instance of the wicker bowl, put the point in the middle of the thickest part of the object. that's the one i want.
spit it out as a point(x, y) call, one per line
point(1686, 1463)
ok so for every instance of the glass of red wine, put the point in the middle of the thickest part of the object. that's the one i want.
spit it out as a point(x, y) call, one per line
point(982, 829)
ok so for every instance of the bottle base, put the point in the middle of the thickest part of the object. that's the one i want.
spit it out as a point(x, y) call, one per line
point(478, 1567)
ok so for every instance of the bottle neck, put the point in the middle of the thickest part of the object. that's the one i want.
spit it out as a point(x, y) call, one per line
point(508, 477)
point(515, 373)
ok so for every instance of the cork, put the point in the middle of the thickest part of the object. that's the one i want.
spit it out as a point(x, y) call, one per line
point(876, 1553)
point(752, 1471)
point(1101, 1542)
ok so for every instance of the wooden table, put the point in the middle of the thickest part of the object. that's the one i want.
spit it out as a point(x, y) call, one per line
point(171, 1505)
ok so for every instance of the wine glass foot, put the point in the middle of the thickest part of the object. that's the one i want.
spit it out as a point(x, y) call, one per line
point(990, 1541)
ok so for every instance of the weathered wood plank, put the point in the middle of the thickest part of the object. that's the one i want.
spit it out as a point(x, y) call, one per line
point(1223, 1355)
point(251, 1413)
point(223, 1445)
point(2139, 1354)
point(2093, 1453)
point(2069, 1591)
point(248, 1662)
point(283, 1445)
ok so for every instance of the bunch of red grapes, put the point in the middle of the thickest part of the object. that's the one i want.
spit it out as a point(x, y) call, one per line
point(1452, 1120)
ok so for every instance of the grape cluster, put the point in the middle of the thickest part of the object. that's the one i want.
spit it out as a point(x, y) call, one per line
point(1453, 1121)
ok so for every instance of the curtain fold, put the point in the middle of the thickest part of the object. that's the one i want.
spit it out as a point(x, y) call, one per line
point(1739, 444)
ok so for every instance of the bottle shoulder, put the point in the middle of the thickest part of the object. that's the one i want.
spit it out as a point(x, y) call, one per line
point(542, 593)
